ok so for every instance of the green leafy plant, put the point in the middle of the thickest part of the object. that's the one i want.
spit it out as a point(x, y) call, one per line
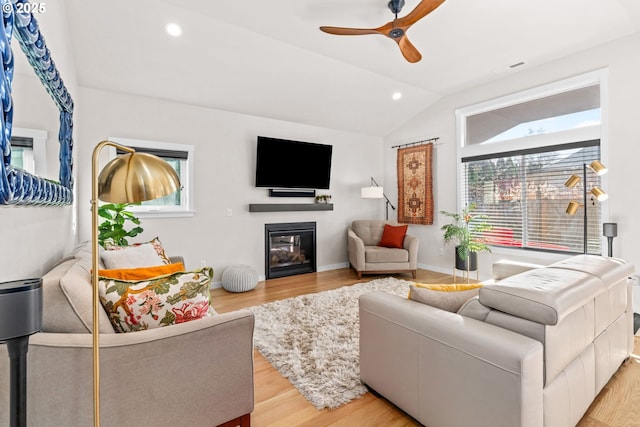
point(464, 229)
point(113, 227)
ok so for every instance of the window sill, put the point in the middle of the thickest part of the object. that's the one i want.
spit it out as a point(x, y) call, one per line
point(164, 214)
point(539, 256)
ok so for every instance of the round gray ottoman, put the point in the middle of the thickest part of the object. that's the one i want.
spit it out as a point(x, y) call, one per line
point(239, 278)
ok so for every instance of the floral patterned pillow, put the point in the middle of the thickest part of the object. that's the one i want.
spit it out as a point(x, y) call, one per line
point(161, 301)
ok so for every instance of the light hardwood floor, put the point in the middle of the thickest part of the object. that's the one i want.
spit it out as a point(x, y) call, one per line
point(278, 403)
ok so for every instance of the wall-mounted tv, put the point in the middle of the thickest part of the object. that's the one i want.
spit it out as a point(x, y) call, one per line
point(281, 163)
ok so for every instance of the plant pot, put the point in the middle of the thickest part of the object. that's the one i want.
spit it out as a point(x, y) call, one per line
point(469, 264)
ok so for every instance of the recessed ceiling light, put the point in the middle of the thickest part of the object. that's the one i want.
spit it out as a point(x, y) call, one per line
point(396, 96)
point(173, 29)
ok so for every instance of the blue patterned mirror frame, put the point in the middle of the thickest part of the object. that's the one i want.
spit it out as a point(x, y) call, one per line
point(18, 187)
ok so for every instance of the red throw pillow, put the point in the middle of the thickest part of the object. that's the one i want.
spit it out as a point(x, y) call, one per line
point(393, 236)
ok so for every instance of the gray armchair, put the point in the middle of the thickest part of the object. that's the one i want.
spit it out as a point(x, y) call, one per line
point(197, 373)
point(366, 257)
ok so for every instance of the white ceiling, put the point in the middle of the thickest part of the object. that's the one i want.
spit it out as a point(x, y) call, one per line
point(268, 57)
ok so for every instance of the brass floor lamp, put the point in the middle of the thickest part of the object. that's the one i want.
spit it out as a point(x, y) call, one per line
point(597, 193)
point(130, 178)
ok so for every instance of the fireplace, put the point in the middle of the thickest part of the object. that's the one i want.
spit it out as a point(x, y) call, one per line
point(290, 248)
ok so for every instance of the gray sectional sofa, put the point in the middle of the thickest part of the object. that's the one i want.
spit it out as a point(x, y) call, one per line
point(199, 372)
point(534, 349)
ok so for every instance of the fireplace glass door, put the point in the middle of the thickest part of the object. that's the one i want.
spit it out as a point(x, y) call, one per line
point(290, 249)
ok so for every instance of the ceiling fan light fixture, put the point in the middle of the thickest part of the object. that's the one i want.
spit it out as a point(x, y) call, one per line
point(396, 33)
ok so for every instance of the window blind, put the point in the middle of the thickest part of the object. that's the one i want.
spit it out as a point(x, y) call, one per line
point(19, 141)
point(523, 194)
point(165, 154)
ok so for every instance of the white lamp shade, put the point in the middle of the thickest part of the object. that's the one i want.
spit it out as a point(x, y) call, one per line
point(372, 192)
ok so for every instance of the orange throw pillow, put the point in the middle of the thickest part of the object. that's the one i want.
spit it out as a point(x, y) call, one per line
point(142, 273)
point(393, 236)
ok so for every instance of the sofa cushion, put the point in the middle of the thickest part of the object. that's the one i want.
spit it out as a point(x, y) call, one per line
point(57, 314)
point(507, 268)
point(393, 236)
point(444, 297)
point(543, 295)
point(370, 231)
point(378, 254)
point(160, 301)
point(71, 310)
point(143, 255)
point(155, 242)
point(472, 308)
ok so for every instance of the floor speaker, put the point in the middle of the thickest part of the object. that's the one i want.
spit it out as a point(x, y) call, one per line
point(20, 317)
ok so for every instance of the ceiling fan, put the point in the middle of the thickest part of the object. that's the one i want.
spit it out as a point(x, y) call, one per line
point(396, 29)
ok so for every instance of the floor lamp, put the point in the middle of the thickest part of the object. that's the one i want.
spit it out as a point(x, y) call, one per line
point(599, 169)
point(129, 178)
point(376, 192)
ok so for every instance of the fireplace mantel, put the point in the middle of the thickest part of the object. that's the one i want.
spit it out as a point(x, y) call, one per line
point(288, 207)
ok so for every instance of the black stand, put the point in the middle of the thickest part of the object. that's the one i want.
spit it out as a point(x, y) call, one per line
point(610, 230)
point(18, 348)
point(20, 317)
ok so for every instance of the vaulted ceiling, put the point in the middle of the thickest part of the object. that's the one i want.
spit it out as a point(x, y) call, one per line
point(268, 58)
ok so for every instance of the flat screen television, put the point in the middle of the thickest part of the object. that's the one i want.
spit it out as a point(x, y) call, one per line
point(281, 163)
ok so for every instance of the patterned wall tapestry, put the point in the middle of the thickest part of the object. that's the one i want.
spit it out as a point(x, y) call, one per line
point(415, 185)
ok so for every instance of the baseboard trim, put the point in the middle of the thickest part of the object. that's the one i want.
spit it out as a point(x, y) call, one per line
point(333, 267)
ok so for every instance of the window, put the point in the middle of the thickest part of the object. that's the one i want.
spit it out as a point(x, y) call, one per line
point(22, 154)
point(28, 151)
point(180, 157)
point(515, 156)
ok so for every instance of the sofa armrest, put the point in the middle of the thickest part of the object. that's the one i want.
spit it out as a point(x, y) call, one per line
point(448, 370)
point(355, 248)
point(411, 244)
point(200, 370)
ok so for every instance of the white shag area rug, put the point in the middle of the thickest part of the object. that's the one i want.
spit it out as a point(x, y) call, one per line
point(313, 340)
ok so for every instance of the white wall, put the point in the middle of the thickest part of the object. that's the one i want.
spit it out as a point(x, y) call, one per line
point(620, 140)
point(34, 238)
point(225, 145)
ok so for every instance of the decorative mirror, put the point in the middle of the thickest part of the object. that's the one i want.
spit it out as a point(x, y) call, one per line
point(17, 186)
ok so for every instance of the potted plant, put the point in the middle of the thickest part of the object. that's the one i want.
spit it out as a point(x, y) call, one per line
point(464, 231)
point(323, 198)
point(112, 228)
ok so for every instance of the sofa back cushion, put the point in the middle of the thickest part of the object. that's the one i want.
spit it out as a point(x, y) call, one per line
point(546, 295)
point(370, 230)
point(543, 295)
point(67, 296)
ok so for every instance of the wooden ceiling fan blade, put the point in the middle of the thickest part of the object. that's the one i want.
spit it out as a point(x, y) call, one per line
point(340, 31)
point(408, 50)
point(424, 8)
